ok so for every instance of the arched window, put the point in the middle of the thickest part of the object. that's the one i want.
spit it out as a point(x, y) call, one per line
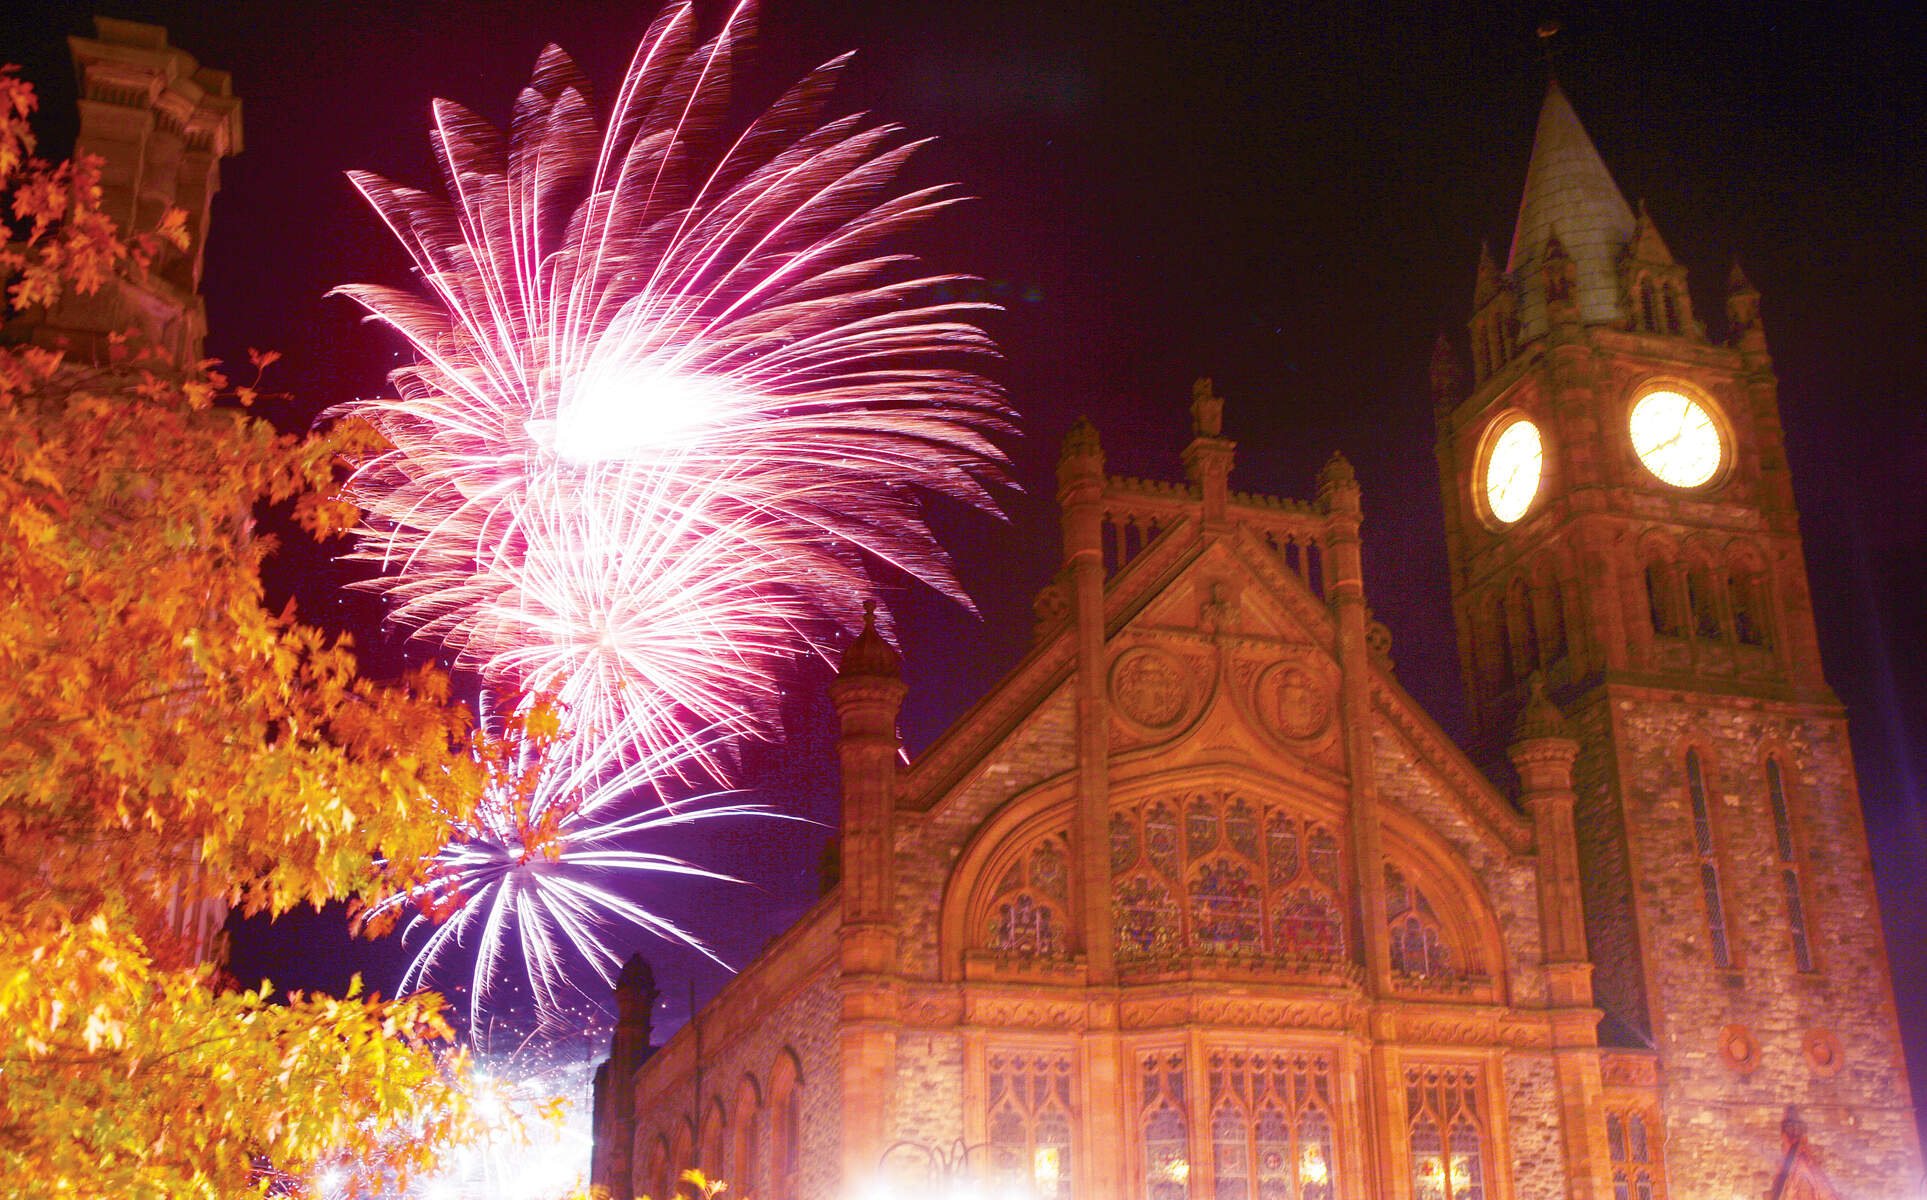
point(1796, 913)
point(786, 1126)
point(682, 1156)
point(657, 1178)
point(1163, 1119)
point(1648, 318)
point(1029, 1121)
point(1659, 600)
point(1709, 861)
point(1748, 588)
point(1705, 603)
point(1421, 949)
point(1029, 916)
point(1271, 1126)
point(1671, 300)
point(1549, 600)
point(1522, 626)
point(1635, 1155)
point(1220, 874)
point(745, 1169)
point(1448, 1133)
point(709, 1158)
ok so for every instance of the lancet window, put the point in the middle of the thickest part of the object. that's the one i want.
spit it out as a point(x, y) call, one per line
point(1709, 861)
point(1029, 913)
point(1422, 950)
point(1448, 1131)
point(1030, 1121)
point(1163, 1119)
point(1634, 1152)
point(1271, 1126)
point(1223, 875)
point(1789, 865)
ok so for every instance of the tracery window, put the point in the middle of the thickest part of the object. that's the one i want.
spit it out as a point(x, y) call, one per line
point(1635, 1157)
point(1421, 949)
point(1221, 874)
point(1030, 1121)
point(1709, 861)
point(1796, 913)
point(1448, 1133)
point(1029, 914)
point(1271, 1126)
point(1163, 1118)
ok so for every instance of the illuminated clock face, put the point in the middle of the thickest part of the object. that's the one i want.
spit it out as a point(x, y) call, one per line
point(1513, 467)
point(1674, 435)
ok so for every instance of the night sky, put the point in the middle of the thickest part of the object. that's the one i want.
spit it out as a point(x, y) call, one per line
point(1290, 200)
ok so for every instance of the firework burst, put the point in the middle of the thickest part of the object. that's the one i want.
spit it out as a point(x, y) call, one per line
point(542, 870)
point(674, 395)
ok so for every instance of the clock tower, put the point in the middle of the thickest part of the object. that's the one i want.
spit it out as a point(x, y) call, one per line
point(1621, 525)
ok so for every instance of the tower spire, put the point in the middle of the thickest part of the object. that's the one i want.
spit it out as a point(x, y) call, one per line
point(1568, 186)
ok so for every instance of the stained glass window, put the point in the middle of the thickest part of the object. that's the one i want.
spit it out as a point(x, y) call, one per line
point(1709, 861)
point(1419, 945)
point(1229, 876)
point(1271, 1126)
point(1162, 1122)
point(1030, 1121)
point(1448, 1132)
point(1028, 915)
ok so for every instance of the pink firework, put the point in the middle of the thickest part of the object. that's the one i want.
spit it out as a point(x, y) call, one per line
point(674, 397)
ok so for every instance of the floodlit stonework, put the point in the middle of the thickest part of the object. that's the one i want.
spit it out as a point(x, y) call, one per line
point(1198, 902)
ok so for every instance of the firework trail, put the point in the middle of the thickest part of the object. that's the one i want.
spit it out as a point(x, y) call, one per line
point(674, 396)
point(539, 871)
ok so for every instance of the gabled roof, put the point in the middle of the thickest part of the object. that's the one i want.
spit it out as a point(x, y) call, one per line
point(1569, 193)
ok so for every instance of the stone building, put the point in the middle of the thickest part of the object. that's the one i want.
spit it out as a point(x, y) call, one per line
point(1198, 902)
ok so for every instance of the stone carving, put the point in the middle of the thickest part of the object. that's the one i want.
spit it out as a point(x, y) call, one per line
point(1824, 1052)
point(1148, 686)
point(1292, 702)
point(1628, 1070)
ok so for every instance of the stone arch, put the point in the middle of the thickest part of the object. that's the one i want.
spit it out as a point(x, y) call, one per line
point(1003, 844)
point(1705, 591)
point(1549, 576)
point(655, 1176)
point(709, 1145)
point(1660, 566)
point(1522, 632)
point(682, 1155)
point(1749, 590)
point(744, 1168)
point(786, 1125)
point(1442, 897)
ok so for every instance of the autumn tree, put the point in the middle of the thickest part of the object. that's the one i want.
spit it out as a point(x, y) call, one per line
point(167, 743)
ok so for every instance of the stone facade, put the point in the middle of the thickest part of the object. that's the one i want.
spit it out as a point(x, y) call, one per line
point(1199, 903)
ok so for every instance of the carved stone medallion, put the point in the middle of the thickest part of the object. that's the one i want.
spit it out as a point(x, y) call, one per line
point(1148, 687)
point(1292, 702)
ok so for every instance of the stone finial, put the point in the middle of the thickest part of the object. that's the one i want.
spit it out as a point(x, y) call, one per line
point(1447, 374)
point(1338, 484)
point(869, 655)
point(1541, 718)
point(1488, 283)
point(636, 978)
point(1082, 455)
point(1207, 409)
point(1742, 300)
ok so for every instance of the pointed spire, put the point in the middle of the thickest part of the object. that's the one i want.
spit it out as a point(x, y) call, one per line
point(1742, 302)
point(1567, 184)
point(1646, 245)
point(1488, 283)
point(1447, 375)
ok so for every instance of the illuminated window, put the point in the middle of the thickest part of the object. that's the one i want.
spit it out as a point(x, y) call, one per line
point(1028, 917)
point(1163, 1118)
point(1789, 866)
point(1030, 1121)
point(1222, 875)
point(1271, 1126)
point(1635, 1156)
point(1709, 862)
point(1448, 1133)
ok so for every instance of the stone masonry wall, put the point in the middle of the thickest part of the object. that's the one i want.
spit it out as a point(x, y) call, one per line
point(1511, 887)
point(807, 1024)
point(1044, 746)
point(1537, 1144)
point(1739, 1046)
point(1612, 936)
point(929, 1105)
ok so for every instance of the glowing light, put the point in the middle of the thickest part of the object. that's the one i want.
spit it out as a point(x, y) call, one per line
point(1512, 470)
point(673, 397)
point(1313, 1168)
point(1674, 435)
